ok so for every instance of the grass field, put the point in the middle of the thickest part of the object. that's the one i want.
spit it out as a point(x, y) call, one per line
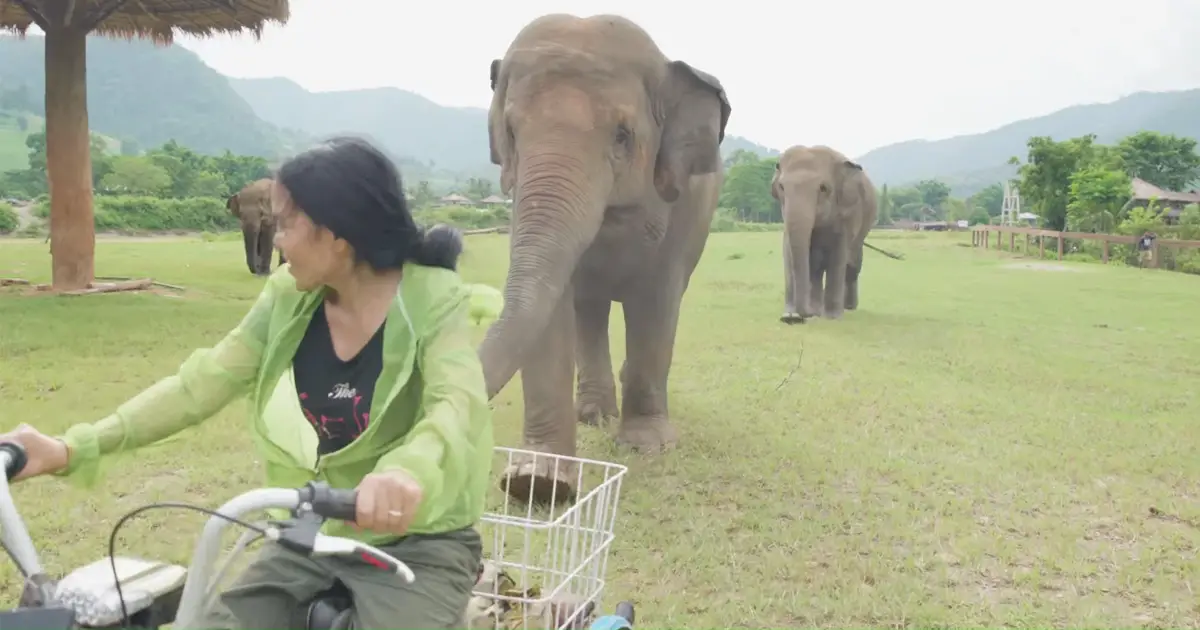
point(979, 445)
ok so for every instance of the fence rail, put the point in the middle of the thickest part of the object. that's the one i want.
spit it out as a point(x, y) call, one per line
point(981, 236)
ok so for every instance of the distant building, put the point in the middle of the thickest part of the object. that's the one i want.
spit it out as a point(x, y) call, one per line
point(455, 199)
point(495, 200)
point(1170, 202)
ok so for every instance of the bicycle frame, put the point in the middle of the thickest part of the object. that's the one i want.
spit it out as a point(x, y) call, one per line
point(89, 602)
point(310, 505)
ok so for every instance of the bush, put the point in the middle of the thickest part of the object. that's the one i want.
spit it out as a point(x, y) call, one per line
point(726, 220)
point(132, 213)
point(8, 219)
point(464, 217)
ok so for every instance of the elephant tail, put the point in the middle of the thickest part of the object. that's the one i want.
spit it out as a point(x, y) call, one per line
point(884, 251)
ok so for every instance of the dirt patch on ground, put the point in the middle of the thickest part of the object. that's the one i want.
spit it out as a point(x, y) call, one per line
point(1040, 266)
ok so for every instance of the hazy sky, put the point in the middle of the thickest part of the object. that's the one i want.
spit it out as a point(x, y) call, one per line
point(855, 75)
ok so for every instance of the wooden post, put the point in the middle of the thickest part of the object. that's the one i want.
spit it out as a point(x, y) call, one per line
point(1025, 252)
point(1060, 245)
point(1104, 252)
point(987, 238)
point(1154, 254)
point(68, 159)
point(1041, 246)
point(1012, 242)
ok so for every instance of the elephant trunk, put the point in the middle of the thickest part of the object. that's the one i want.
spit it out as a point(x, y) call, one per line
point(558, 211)
point(798, 220)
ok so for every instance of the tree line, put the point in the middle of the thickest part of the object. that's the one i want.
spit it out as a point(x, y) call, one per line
point(171, 171)
point(173, 187)
point(746, 194)
point(1076, 184)
point(1082, 186)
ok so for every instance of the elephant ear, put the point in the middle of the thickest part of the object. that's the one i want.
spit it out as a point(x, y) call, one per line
point(495, 77)
point(850, 190)
point(693, 113)
point(775, 183)
point(233, 206)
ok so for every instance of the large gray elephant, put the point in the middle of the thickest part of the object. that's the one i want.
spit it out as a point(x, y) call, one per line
point(829, 207)
point(612, 154)
point(252, 206)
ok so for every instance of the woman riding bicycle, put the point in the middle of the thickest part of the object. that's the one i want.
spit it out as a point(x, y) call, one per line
point(360, 371)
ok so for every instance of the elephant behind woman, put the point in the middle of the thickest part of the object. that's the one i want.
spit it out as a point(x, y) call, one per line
point(613, 153)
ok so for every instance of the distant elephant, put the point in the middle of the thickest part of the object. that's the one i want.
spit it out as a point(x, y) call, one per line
point(613, 152)
point(829, 206)
point(252, 205)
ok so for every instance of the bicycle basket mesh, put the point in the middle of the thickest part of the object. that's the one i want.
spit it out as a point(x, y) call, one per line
point(544, 564)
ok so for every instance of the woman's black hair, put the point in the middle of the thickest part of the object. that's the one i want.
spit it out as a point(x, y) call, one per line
point(352, 189)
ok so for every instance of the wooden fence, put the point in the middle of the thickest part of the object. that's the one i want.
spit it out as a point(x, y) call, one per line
point(981, 236)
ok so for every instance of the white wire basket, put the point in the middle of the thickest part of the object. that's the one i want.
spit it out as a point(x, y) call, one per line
point(545, 563)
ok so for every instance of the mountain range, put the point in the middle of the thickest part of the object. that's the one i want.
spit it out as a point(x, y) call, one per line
point(149, 94)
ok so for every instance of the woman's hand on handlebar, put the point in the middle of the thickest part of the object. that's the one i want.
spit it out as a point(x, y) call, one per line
point(387, 502)
point(47, 455)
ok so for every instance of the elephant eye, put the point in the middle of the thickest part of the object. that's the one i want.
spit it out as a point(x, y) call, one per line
point(623, 135)
point(824, 189)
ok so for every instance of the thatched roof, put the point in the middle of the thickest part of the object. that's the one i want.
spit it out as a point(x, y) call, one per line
point(1145, 191)
point(454, 197)
point(159, 20)
point(494, 199)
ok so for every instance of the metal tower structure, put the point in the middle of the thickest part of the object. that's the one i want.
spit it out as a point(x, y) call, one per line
point(1010, 210)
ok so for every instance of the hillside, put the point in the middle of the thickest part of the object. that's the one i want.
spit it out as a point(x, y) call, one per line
point(969, 163)
point(150, 94)
point(15, 127)
point(407, 124)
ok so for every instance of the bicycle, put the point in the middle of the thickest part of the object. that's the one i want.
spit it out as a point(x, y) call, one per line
point(126, 592)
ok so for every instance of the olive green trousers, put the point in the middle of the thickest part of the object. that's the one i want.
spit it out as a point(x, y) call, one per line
point(272, 593)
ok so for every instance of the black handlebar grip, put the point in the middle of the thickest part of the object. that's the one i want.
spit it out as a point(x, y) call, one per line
point(336, 503)
point(17, 458)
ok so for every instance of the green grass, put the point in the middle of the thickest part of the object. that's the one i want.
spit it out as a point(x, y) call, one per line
point(979, 445)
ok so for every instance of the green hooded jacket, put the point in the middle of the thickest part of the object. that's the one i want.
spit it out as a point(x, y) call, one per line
point(429, 417)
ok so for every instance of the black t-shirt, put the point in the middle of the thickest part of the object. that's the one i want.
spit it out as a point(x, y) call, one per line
point(334, 394)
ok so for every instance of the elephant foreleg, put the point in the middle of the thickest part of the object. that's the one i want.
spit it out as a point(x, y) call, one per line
point(792, 312)
point(547, 378)
point(250, 240)
point(265, 246)
point(835, 276)
point(816, 277)
point(596, 397)
point(798, 235)
point(852, 271)
point(651, 319)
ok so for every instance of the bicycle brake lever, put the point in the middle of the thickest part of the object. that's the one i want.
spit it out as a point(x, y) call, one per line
point(347, 548)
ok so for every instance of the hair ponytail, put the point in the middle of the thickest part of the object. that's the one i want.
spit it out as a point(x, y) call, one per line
point(439, 246)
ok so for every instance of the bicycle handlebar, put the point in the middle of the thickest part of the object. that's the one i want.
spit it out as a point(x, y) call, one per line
point(12, 529)
point(14, 457)
point(312, 503)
